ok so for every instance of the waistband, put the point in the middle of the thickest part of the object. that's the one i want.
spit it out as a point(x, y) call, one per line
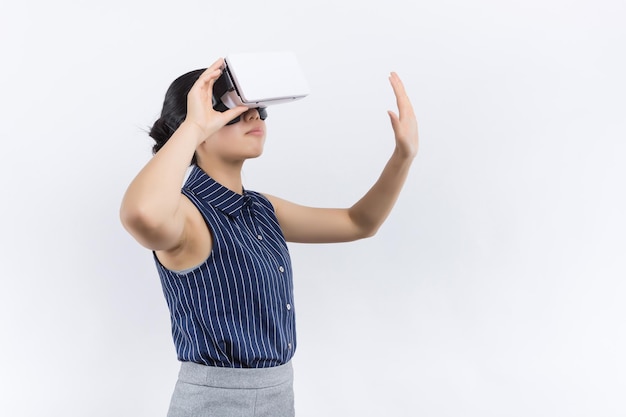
point(242, 378)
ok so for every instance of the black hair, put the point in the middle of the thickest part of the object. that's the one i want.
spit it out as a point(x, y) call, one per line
point(174, 110)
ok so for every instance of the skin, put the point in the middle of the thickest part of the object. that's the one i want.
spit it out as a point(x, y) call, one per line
point(162, 219)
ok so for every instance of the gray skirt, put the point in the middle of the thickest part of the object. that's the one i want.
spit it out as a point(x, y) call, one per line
point(207, 391)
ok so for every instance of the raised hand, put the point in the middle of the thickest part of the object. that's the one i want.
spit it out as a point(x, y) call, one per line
point(200, 110)
point(404, 123)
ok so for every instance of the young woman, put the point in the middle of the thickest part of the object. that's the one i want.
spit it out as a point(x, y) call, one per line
point(221, 250)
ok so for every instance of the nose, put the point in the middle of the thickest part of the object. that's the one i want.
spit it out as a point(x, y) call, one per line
point(251, 114)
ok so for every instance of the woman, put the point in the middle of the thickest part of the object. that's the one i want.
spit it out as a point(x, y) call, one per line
point(221, 250)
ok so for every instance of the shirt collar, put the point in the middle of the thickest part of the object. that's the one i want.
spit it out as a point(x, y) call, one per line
point(214, 193)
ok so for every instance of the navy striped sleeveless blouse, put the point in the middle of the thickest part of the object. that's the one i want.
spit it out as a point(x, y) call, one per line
point(236, 308)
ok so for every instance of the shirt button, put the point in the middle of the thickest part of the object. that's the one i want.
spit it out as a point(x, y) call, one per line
point(281, 269)
point(259, 237)
point(288, 306)
point(289, 345)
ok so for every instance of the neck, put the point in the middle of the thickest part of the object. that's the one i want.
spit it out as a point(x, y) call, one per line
point(227, 175)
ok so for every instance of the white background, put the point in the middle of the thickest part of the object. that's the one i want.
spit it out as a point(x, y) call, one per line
point(495, 288)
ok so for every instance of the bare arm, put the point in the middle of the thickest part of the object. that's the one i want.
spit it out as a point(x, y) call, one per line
point(364, 218)
point(153, 209)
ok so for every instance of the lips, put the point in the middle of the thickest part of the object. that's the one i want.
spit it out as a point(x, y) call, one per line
point(255, 131)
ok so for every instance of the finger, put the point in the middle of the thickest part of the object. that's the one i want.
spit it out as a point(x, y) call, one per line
point(395, 121)
point(402, 99)
point(230, 114)
point(217, 65)
point(207, 77)
point(210, 74)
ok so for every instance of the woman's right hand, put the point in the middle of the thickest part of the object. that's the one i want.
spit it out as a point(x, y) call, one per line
point(200, 112)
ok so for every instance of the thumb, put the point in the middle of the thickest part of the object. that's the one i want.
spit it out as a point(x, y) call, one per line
point(394, 119)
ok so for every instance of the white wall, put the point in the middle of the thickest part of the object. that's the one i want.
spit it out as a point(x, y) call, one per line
point(496, 286)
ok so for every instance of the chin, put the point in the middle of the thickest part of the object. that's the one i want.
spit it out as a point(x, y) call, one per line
point(255, 155)
point(254, 152)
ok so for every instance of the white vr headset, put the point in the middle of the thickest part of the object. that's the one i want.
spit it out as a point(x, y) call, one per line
point(258, 80)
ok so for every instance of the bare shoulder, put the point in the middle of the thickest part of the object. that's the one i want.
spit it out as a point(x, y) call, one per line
point(275, 201)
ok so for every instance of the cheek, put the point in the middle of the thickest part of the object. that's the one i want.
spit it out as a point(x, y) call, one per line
point(219, 138)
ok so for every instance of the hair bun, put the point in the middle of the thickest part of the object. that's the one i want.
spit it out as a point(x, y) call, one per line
point(160, 132)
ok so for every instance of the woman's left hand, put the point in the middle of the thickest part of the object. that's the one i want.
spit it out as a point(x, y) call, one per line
point(404, 123)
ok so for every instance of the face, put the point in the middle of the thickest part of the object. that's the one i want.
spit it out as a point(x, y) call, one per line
point(238, 141)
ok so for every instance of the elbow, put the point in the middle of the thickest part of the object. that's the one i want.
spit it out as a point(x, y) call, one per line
point(147, 230)
point(363, 227)
point(136, 219)
point(149, 225)
point(132, 219)
point(367, 232)
point(371, 232)
point(129, 217)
